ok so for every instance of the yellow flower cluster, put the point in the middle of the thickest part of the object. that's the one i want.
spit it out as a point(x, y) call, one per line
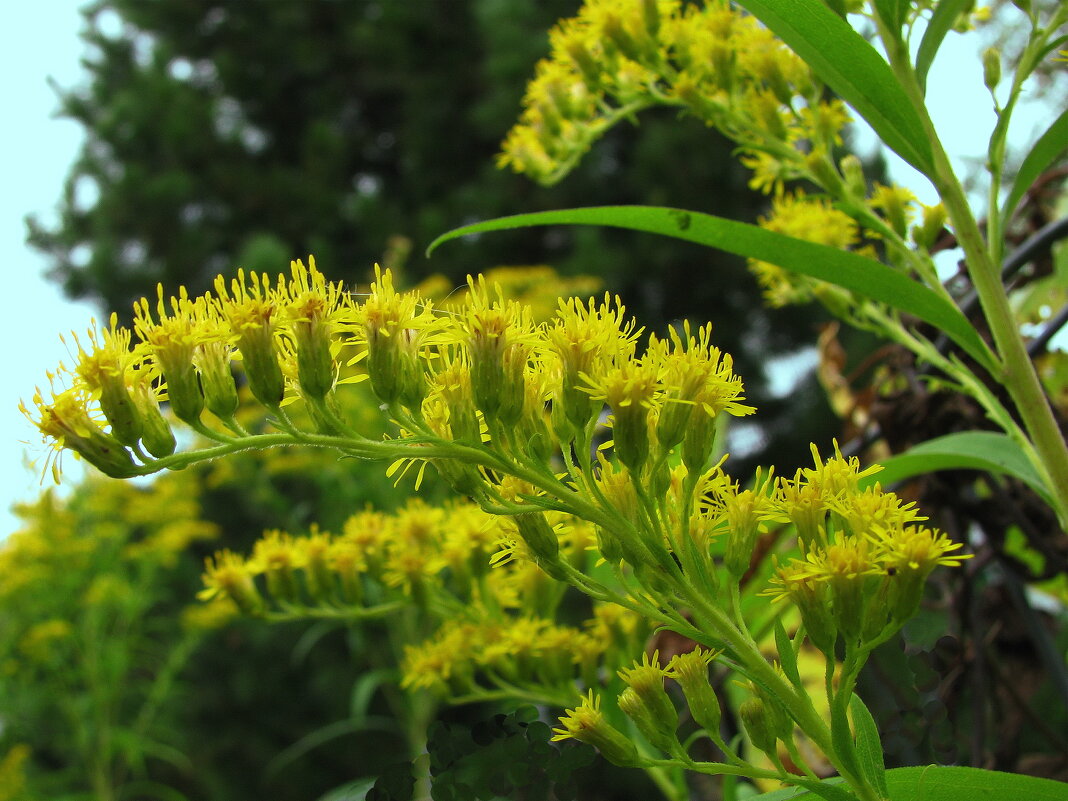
point(286, 334)
point(112, 528)
point(865, 555)
point(530, 652)
point(511, 412)
point(620, 56)
point(538, 287)
point(490, 612)
point(813, 219)
point(436, 557)
point(505, 393)
point(718, 63)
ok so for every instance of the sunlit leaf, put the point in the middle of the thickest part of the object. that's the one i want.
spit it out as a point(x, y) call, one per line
point(1046, 150)
point(969, 450)
point(856, 273)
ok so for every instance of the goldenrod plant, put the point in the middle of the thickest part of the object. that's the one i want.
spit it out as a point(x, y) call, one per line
point(588, 450)
point(508, 412)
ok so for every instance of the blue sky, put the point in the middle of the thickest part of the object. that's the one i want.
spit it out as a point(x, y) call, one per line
point(36, 150)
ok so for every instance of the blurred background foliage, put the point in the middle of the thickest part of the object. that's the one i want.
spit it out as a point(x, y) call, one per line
point(224, 134)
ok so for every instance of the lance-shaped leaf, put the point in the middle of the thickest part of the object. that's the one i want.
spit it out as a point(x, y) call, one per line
point(968, 450)
point(859, 274)
point(943, 18)
point(938, 783)
point(869, 746)
point(1048, 147)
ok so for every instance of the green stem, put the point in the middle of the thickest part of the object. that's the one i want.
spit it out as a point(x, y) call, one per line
point(1014, 369)
point(797, 702)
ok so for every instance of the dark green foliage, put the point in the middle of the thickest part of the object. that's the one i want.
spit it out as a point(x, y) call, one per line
point(397, 783)
point(506, 756)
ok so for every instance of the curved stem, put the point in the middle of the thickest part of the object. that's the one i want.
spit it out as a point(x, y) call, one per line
point(1014, 369)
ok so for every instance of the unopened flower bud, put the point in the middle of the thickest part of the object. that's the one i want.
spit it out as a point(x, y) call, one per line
point(646, 679)
point(770, 69)
point(699, 443)
point(672, 422)
point(216, 379)
point(608, 545)
point(318, 579)
point(315, 365)
point(779, 722)
point(463, 478)
point(927, 233)
point(769, 114)
point(621, 38)
point(755, 720)
point(905, 591)
point(183, 391)
point(655, 730)
point(156, 434)
point(251, 308)
point(539, 536)
point(690, 670)
point(591, 73)
point(630, 435)
point(282, 583)
point(991, 68)
point(259, 353)
point(724, 60)
point(586, 724)
point(227, 575)
point(853, 171)
point(67, 422)
point(822, 169)
point(744, 527)
point(651, 17)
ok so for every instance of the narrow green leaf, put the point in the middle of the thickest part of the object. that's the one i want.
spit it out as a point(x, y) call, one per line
point(869, 746)
point(842, 738)
point(1052, 46)
point(990, 451)
point(936, 783)
point(852, 68)
point(787, 657)
point(365, 688)
point(945, 14)
point(1049, 146)
point(856, 273)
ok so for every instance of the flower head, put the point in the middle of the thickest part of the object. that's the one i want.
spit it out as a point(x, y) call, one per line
point(251, 305)
point(587, 724)
point(171, 343)
point(315, 312)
